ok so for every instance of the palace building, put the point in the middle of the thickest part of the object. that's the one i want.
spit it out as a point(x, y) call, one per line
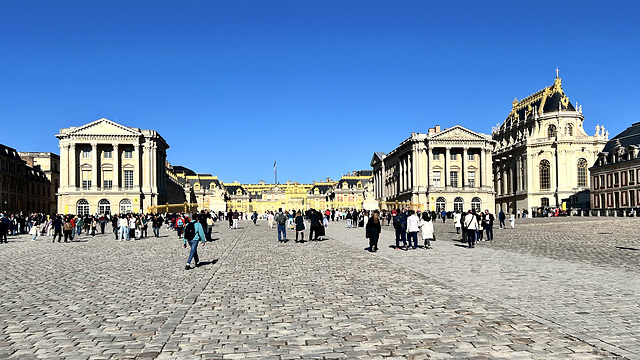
point(542, 152)
point(24, 187)
point(442, 170)
point(107, 168)
point(614, 176)
point(49, 163)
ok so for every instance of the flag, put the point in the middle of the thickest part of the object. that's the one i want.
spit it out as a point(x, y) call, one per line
point(274, 166)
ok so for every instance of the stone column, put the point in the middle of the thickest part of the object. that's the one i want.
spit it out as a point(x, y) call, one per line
point(428, 169)
point(483, 171)
point(464, 167)
point(64, 166)
point(447, 160)
point(116, 167)
point(136, 156)
point(94, 166)
point(72, 167)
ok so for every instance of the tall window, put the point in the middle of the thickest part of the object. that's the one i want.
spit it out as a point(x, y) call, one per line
point(631, 177)
point(125, 206)
point(86, 153)
point(616, 179)
point(453, 155)
point(582, 172)
point(544, 202)
point(471, 179)
point(108, 153)
point(128, 153)
point(104, 207)
point(476, 203)
point(470, 156)
point(458, 204)
point(545, 175)
point(551, 131)
point(436, 179)
point(82, 207)
point(436, 155)
point(441, 204)
point(86, 179)
point(128, 179)
point(569, 130)
point(453, 177)
point(107, 179)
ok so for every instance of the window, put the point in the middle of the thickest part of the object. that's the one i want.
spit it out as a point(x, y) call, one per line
point(632, 198)
point(436, 155)
point(82, 207)
point(441, 204)
point(631, 177)
point(551, 131)
point(545, 173)
point(476, 204)
point(458, 204)
point(108, 153)
point(453, 176)
point(568, 130)
point(582, 172)
point(471, 179)
point(616, 179)
point(602, 183)
point(471, 156)
point(125, 206)
point(128, 179)
point(104, 207)
point(544, 202)
point(86, 153)
point(453, 155)
point(86, 179)
point(436, 179)
point(107, 179)
point(128, 153)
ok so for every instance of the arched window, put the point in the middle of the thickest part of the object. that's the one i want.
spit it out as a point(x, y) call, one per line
point(441, 204)
point(544, 202)
point(104, 207)
point(568, 130)
point(545, 173)
point(82, 207)
point(582, 172)
point(458, 204)
point(125, 206)
point(551, 131)
point(476, 203)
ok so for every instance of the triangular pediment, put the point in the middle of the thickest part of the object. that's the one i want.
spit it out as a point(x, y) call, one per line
point(377, 158)
point(104, 127)
point(457, 133)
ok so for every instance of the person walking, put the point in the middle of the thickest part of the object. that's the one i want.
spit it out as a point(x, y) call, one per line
point(471, 222)
point(236, 218)
point(4, 228)
point(456, 221)
point(281, 220)
point(426, 227)
point(193, 234)
point(123, 224)
point(157, 223)
point(300, 226)
point(67, 228)
point(502, 217)
point(316, 225)
point(79, 224)
point(487, 220)
point(270, 219)
point(413, 226)
point(373, 231)
point(33, 231)
point(254, 217)
point(512, 220)
point(400, 226)
point(57, 228)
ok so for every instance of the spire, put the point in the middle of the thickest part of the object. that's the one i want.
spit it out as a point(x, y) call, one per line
point(557, 72)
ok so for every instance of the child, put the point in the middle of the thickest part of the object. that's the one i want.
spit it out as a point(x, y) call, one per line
point(34, 232)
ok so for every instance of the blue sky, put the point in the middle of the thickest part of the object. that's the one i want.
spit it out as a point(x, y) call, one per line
point(318, 86)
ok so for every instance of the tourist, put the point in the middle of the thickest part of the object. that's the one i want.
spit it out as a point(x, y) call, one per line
point(179, 225)
point(471, 222)
point(444, 215)
point(4, 228)
point(400, 226)
point(270, 219)
point(281, 220)
point(33, 232)
point(57, 228)
point(315, 218)
point(156, 223)
point(94, 226)
point(254, 217)
point(235, 217)
point(413, 226)
point(373, 231)
point(502, 217)
point(103, 222)
point(230, 218)
point(193, 234)
point(487, 221)
point(79, 224)
point(132, 226)
point(123, 225)
point(349, 219)
point(300, 226)
point(456, 221)
point(426, 227)
point(512, 220)
point(114, 225)
point(68, 229)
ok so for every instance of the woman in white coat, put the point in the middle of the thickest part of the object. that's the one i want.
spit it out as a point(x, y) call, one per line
point(426, 227)
point(456, 221)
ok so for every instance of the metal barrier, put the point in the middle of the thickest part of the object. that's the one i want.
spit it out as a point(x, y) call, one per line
point(176, 208)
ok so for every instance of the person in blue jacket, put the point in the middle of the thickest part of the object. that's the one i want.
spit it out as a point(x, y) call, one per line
point(194, 234)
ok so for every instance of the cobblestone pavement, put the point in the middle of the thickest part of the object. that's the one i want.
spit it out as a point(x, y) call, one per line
point(255, 298)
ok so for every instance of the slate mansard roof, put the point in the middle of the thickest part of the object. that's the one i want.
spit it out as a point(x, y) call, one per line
point(629, 137)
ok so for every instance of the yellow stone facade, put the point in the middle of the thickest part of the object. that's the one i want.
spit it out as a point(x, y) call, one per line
point(542, 152)
point(106, 167)
point(442, 170)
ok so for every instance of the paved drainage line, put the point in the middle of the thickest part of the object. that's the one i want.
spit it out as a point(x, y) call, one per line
point(154, 347)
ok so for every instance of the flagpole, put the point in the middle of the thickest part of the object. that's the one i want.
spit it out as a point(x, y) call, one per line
point(275, 171)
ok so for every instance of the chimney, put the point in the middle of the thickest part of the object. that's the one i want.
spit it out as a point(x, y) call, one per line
point(437, 128)
point(432, 131)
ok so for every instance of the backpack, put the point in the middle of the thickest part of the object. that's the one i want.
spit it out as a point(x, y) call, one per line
point(190, 231)
point(282, 219)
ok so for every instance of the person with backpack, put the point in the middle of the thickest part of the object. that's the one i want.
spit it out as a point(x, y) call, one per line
point(281, 219)
point(194, 234)
point(179, 226)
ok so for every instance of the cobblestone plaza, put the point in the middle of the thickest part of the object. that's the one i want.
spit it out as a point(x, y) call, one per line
point(560, 288)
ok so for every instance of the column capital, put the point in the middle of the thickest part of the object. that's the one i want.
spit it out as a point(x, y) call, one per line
point(72, 145)
point(94, 145)
point(115, 145)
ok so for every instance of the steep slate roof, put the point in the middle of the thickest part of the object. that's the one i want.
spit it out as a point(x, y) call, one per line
point(9, 152)
point(183, 170)
point(630, 136)
point(231, 189)
point(322, 188)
